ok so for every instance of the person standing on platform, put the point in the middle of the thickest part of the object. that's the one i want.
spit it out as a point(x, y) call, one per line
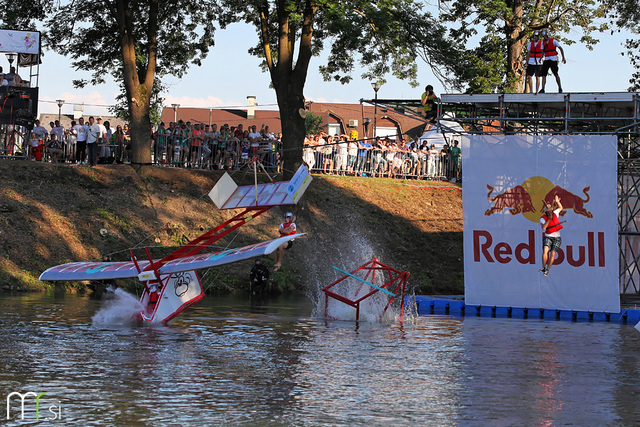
point(551, 47)
point(551, 227)
point(535, 52)
point(428, 102)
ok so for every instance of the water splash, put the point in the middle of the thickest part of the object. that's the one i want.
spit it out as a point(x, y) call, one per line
point(120, 308)
point(347, 254)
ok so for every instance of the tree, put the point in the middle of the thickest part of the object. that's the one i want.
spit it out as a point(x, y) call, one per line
point(313, 124)
point(21, 15)
point(156, 104)
point(135, 41)
point(383, 36)
point(497, 63)
point(626, 15)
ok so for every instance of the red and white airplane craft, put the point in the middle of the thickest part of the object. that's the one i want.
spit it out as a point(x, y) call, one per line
point(171, 284)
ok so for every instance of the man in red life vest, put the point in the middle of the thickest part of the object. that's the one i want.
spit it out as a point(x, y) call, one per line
point(551, 47)
point(551, 239)
point(154, 291)
point(287, 228)
point(534, 61)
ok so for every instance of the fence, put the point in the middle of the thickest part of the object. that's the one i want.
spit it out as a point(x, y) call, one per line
point(344, 158)
point(351, 159)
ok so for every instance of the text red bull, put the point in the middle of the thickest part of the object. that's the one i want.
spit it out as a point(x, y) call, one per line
point(591, 254)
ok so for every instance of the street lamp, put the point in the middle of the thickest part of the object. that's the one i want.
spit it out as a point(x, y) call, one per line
point(10, 58)
point(376, 87)
point(175, 111)
point(60, 103)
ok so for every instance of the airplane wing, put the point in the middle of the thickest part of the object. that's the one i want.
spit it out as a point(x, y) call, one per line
point(93, 270)
point(120, 270)
point(197, 262)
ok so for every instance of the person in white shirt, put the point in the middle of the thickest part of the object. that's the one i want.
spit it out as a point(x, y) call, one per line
point(92, 141)
point(38, 138)
point(254, 138)
point(82, 131)
point(72, 138)
point(57, 134)
point(105, 139)
point(341, 156)
point(433, 162)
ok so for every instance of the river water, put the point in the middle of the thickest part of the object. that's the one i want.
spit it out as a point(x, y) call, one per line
point(228, 361)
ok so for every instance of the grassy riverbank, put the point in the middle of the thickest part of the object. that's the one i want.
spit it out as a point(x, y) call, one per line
point(52, 214)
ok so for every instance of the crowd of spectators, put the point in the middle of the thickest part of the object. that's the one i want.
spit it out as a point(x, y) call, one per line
point(12, 78)
point(82, 143)
point(381, 157)
point(203, 146)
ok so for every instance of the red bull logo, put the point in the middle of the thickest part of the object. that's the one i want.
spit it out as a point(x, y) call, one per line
point(485, 249)
point(530, 197)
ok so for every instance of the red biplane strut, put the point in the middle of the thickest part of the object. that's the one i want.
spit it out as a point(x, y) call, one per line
point(393, 277)
point(205, 240)
point(255, 199)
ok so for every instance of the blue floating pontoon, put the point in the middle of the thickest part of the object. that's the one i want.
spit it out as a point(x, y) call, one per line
point(455, 305)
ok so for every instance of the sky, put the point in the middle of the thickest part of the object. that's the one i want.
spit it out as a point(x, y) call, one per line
point(229, 74)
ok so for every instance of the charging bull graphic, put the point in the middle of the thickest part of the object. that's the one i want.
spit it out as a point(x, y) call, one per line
point(529, 198)
point(570, 200)
point(516, 199)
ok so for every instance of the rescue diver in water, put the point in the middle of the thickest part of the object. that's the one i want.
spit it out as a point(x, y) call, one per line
point(259, 276)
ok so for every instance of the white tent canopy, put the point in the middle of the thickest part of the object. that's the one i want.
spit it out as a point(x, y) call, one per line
point(443, 132)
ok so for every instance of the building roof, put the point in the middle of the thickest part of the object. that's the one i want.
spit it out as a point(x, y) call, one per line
point(233, 117)
point(65, 119)
point(347, 116)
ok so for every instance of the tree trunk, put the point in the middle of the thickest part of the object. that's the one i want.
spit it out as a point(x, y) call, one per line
point(516, 70)
point(515, 46)
point(138, 82)
point(289, 76)
point(290, 103)
point(140, 127)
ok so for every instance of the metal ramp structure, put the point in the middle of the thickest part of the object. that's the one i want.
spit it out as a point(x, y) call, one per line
point(596, 113)
point(395, 285)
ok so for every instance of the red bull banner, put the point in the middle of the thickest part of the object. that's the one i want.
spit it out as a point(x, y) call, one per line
point(508, 180)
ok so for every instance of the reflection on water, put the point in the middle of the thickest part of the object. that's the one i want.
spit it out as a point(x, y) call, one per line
point(226, 361)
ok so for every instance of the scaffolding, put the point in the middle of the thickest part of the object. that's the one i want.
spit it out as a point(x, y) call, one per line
point(597, 113)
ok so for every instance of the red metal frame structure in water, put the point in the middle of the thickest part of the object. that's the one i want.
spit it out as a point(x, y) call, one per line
point(370, 269)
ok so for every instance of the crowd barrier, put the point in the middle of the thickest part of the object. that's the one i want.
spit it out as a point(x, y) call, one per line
point(330, 159)
point(208, 154)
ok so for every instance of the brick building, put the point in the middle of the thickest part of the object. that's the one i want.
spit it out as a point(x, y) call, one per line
point(336, 117)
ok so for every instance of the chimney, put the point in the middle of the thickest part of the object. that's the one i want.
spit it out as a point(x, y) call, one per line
point(78, 109)
point(251, 108)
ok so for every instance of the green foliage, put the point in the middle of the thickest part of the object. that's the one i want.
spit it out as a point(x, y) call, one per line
point(88, 34)
point(496, 63)
point(626, 15)
point(121, 109)
point(21, 15)
point(486, 70)
point(313, 124)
